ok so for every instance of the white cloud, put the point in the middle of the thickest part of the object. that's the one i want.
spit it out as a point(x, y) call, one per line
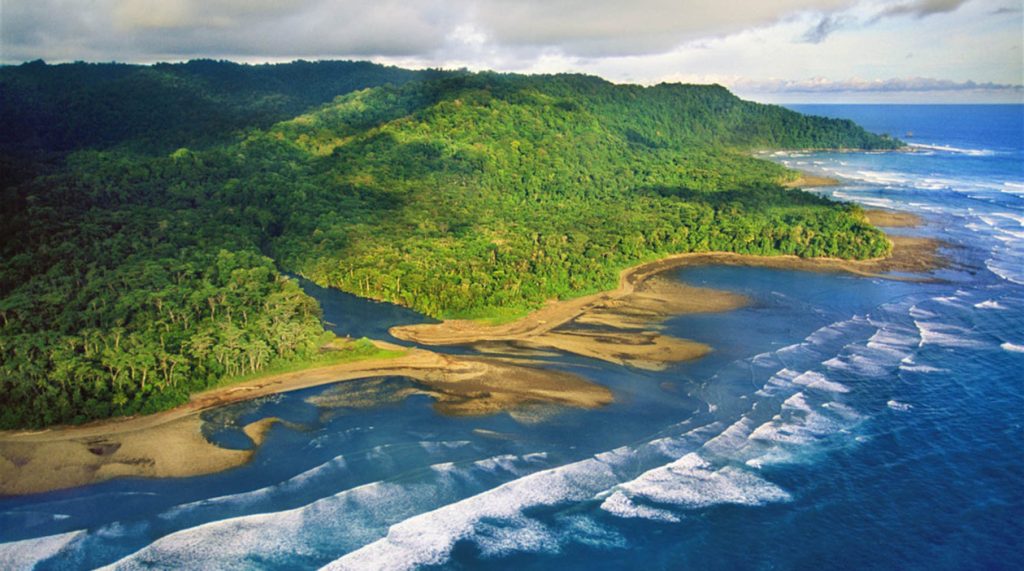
point(859, 85)
point(644, 40)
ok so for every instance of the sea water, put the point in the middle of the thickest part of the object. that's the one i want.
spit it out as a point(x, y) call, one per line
point(841, 422)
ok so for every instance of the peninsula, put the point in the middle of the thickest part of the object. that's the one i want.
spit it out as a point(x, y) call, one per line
point(147, 233)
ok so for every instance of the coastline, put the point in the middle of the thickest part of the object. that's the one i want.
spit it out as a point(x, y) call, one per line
point(620, 326)
point(171, 443)
point(810, 180)
point(641, 300)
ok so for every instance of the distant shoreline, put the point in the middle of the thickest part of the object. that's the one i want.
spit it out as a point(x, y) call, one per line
point(170, 443)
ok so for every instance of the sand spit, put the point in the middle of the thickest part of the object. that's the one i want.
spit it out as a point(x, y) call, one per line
point(627, 317)
point(620, 326)
point(808, 180)
point(173, 449)
point(893, 219)
point(171, 443)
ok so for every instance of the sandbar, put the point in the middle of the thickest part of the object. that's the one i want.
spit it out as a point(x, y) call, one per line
point(893, 218)
point(620, 326)
point(808, 180)
point(628, 316)
point(171, 443)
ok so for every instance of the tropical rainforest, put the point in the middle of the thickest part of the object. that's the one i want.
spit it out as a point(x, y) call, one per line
point(152, 212)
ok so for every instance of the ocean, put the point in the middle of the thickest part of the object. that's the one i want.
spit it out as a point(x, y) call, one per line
point(841, 422)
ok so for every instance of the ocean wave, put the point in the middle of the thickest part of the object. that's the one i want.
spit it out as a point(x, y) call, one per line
point(28, 553)
point(990, 304)
point(692, 482)
point(954, 150)
point(818, 381)
point(1013, 188)
point(947, 335)
point(621, 505)
point(335, 524)
point(1007, 270)
point(897, 405)
point(427, 539)
point(1012, 347)
point(798, 423)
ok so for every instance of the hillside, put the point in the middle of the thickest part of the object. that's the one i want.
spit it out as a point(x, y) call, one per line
point(133, 274)
point(47, 108)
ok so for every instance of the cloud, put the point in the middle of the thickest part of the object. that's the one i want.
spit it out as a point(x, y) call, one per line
point(600, 28)
point(830, 23)
point(147, 30)
point(817, 34)
point(855, 85)
point(144, 29)
point(642, 40)
point(157, 14)
point(921, 8)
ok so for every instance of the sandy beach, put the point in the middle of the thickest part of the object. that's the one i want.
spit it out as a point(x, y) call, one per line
point(629, 315)
point(893, 218)
point(619, 326)
point(171, 443)
point(808, 180)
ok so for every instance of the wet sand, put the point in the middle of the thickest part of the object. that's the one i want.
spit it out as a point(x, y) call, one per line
point(62, 459)
point(893, 219)
point(619, 326)
point(171, 443)
point(808, 180)
point(628, 317)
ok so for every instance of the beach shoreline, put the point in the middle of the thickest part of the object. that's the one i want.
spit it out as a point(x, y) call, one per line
point(641, 300)
point(171, 444)
point(620, 326)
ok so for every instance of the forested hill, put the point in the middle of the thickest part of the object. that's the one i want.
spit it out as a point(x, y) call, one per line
point(166, 106)
point(144, 263)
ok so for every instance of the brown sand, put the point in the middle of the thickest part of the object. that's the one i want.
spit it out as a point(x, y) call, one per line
point(808, 180)
point(893, 219)
point(632, 311)
point(172, 449)
point(171, 444)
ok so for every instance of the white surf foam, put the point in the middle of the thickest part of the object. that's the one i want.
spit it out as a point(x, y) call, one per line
point(620, 505)
point(344, 521)
point(428, 538)
point(953, 150)
point(818, 381)
point(1012, 347)
point(1006, 270)
point(947, 335)
point(990, 304)
point(692, 482)
point(27, 553)
point(900, 406)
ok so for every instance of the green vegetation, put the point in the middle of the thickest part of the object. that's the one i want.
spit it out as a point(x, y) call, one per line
point(140, 258)
point(334, 352)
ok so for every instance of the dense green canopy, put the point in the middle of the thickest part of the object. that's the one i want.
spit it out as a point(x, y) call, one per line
point(146, 208)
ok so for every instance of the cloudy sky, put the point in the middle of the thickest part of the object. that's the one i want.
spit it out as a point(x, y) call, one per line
point(770, 50)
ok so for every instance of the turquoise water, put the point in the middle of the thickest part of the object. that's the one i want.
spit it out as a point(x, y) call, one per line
point(841, 422)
